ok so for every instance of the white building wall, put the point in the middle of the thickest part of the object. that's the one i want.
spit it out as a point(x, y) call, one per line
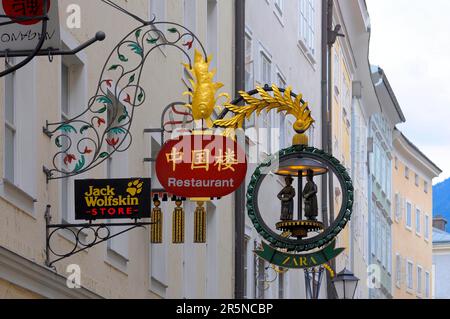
point(275, 37)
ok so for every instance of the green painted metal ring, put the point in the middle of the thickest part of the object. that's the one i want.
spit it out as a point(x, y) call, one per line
point(328, 234)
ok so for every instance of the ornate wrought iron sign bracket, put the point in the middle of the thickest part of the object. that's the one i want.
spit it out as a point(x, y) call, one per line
point(85, 236)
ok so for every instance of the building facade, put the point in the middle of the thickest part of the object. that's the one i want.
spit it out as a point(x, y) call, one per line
point(128, 266)
point(441, 261)
point(354, 100)
point(381, 128)
point(283, 41)
point(413, 175)
point(282, 47)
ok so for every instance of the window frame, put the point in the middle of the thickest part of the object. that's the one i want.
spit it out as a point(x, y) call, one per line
point(409, 276)
point(426, 226)
point(419, 274)
point(398, 270)
point(408, 226)
point(10, 126)
point(307, 28)
point(418, 226)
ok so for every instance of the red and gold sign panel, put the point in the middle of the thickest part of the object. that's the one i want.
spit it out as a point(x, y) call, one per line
point(196, 166)
point(25, 8)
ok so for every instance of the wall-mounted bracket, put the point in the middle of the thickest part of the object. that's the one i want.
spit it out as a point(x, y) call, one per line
point(86, 235)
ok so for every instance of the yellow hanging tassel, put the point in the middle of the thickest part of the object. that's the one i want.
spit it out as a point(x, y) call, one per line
point(200, 224)
point(157, 219)
point(178, 224)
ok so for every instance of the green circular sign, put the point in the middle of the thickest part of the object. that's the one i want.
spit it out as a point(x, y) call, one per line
point(329, 233)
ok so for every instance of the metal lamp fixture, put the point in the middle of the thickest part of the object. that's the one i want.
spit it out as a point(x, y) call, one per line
point(345, 284)
point(297, 166)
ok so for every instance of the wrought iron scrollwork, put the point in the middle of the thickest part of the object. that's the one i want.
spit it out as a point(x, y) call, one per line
point(84, 236)
point(90, 138)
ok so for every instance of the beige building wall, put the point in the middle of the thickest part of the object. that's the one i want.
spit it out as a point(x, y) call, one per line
point(129, 266)
point(412, 249)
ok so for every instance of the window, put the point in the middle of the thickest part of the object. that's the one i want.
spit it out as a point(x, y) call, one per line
point(212, 31)
point(397, 209)
point(406, 172)
point(416, 179)
point(396, 162)
point(425, 187)
point(10, 127)
point(266, 70)
point(19, 137)
point(249, 71)
point(372, 229)
point(280, 118)
point(427, 284)
point(379, 239)
point(408, 215)
point(383, 246)
point(307, 25)
point(336, 72)
point(398, 270)
point(418, 224)
point(264, 138)
point(117, 167)
point(389, 250)
point(419, 280)
point(409, 275)
point(66, 183)
point(427, 227)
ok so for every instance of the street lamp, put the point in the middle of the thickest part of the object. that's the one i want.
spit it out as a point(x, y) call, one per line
point(345, 284)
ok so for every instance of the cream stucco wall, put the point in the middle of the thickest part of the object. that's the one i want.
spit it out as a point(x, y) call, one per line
point(411, 245)
point(24, 232)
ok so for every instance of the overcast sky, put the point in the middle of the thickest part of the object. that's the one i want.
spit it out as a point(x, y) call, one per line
point(411, 42)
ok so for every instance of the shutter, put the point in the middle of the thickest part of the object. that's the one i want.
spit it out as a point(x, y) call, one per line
point(402, 271)
point(25, 170)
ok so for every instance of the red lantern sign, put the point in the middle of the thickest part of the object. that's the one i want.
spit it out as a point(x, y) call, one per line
point(201, 166)
point(25, 8)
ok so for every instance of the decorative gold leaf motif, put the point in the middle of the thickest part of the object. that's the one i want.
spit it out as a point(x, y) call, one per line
point(267, 102)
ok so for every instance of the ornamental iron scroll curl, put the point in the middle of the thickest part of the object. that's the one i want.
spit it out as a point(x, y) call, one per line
point(87, 140)
point(328, 234)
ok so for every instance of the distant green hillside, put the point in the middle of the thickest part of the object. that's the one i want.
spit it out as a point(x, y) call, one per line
point(441, 199)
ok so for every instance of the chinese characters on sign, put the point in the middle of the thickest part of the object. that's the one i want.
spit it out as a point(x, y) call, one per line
point(201, 159)
point(25, 33)
point(201, 166)
point(25, 8)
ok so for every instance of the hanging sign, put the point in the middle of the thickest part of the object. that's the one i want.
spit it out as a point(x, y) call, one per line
point(25, 34)
point(201, 166)
point(112, 198)
point(298, 261)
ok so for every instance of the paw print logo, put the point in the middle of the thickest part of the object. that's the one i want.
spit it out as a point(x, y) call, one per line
point(135, 188)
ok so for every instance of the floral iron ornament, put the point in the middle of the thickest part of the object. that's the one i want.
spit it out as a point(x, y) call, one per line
point(87, 140)
point(204, 89)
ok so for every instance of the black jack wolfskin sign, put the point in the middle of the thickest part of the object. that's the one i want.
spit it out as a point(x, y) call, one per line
point(112, 198)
